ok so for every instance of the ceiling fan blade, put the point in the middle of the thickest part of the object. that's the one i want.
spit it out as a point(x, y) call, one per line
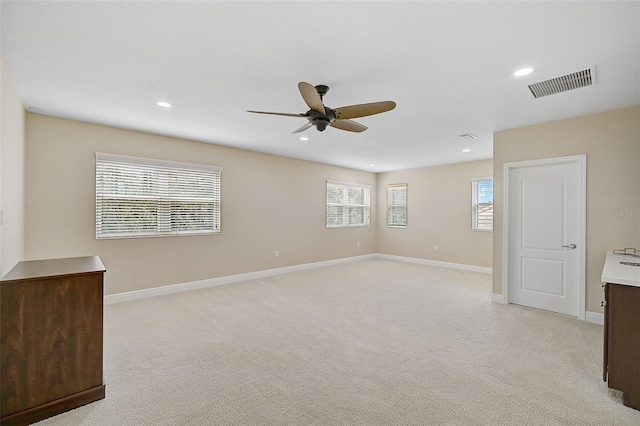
point(348, 125)
point(362, 110)
point(311, 97)
point(303, 128)
point(286, 114)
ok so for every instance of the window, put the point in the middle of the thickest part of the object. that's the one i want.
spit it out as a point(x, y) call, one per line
point(482, 190)
point(141, 197)
point(397, 205)
point(347, 204)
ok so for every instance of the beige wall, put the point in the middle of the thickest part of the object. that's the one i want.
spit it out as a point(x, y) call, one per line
point(438, 213)
point(611, 141)
point(269, 203)
point(275, 203)
point(12, 172)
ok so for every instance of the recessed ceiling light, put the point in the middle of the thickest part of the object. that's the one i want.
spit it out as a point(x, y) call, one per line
point(523, 71)
point(372, 165)
point(466, 150)
point(163, 104)
point(304, 138)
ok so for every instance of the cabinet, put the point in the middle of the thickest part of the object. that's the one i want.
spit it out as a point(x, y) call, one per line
point(622, 341)
point(51, 322)
point(621, 364)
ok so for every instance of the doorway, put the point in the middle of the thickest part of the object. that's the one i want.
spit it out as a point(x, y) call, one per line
point(544, 239)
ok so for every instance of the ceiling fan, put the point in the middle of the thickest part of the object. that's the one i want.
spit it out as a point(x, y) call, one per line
point(340, 118)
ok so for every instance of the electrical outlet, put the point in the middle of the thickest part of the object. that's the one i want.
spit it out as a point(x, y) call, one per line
point(436, 248)
point(277, 253)
point(358, 244)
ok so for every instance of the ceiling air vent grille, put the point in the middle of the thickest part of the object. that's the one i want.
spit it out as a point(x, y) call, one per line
point(467, 136)
point(562, 84)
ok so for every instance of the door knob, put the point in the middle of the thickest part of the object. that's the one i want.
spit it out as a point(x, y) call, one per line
point(571, 246)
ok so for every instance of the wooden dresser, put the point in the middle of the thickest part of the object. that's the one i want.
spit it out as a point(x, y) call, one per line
point(621, 357)
point(50, 337)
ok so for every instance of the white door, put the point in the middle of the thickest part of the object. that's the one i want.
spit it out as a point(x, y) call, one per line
point(545, 233)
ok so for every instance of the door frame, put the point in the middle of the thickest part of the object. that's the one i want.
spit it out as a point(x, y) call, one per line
point(581, 160)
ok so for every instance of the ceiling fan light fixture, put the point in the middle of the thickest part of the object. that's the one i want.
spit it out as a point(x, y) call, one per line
point(321, 124)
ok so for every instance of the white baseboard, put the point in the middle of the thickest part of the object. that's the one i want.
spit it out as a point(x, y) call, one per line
point(194, 285)
point(594, 317)
point(176, 288)
point(429, 262)
point(497, 298)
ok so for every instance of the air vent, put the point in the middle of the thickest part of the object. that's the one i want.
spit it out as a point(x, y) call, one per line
point(562, 84)
point(467, 137)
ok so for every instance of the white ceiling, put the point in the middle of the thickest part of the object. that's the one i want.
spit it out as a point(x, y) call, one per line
point(448, 65)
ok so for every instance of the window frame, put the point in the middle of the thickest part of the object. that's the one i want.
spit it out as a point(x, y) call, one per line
point(345, 214)
point(390, 189)
point(475, 204)
point(151, 183)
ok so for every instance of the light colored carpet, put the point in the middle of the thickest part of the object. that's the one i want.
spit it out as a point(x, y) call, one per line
point(374, 342)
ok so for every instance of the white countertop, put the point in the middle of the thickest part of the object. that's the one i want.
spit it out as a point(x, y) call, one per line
point(617, 273)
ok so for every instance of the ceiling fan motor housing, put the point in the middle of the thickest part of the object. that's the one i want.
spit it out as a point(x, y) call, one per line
point(320, 120)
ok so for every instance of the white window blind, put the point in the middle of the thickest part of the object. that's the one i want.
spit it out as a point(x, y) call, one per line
point(482, 192)
point(141, 197)
point(348, 204)
point(397, 205)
